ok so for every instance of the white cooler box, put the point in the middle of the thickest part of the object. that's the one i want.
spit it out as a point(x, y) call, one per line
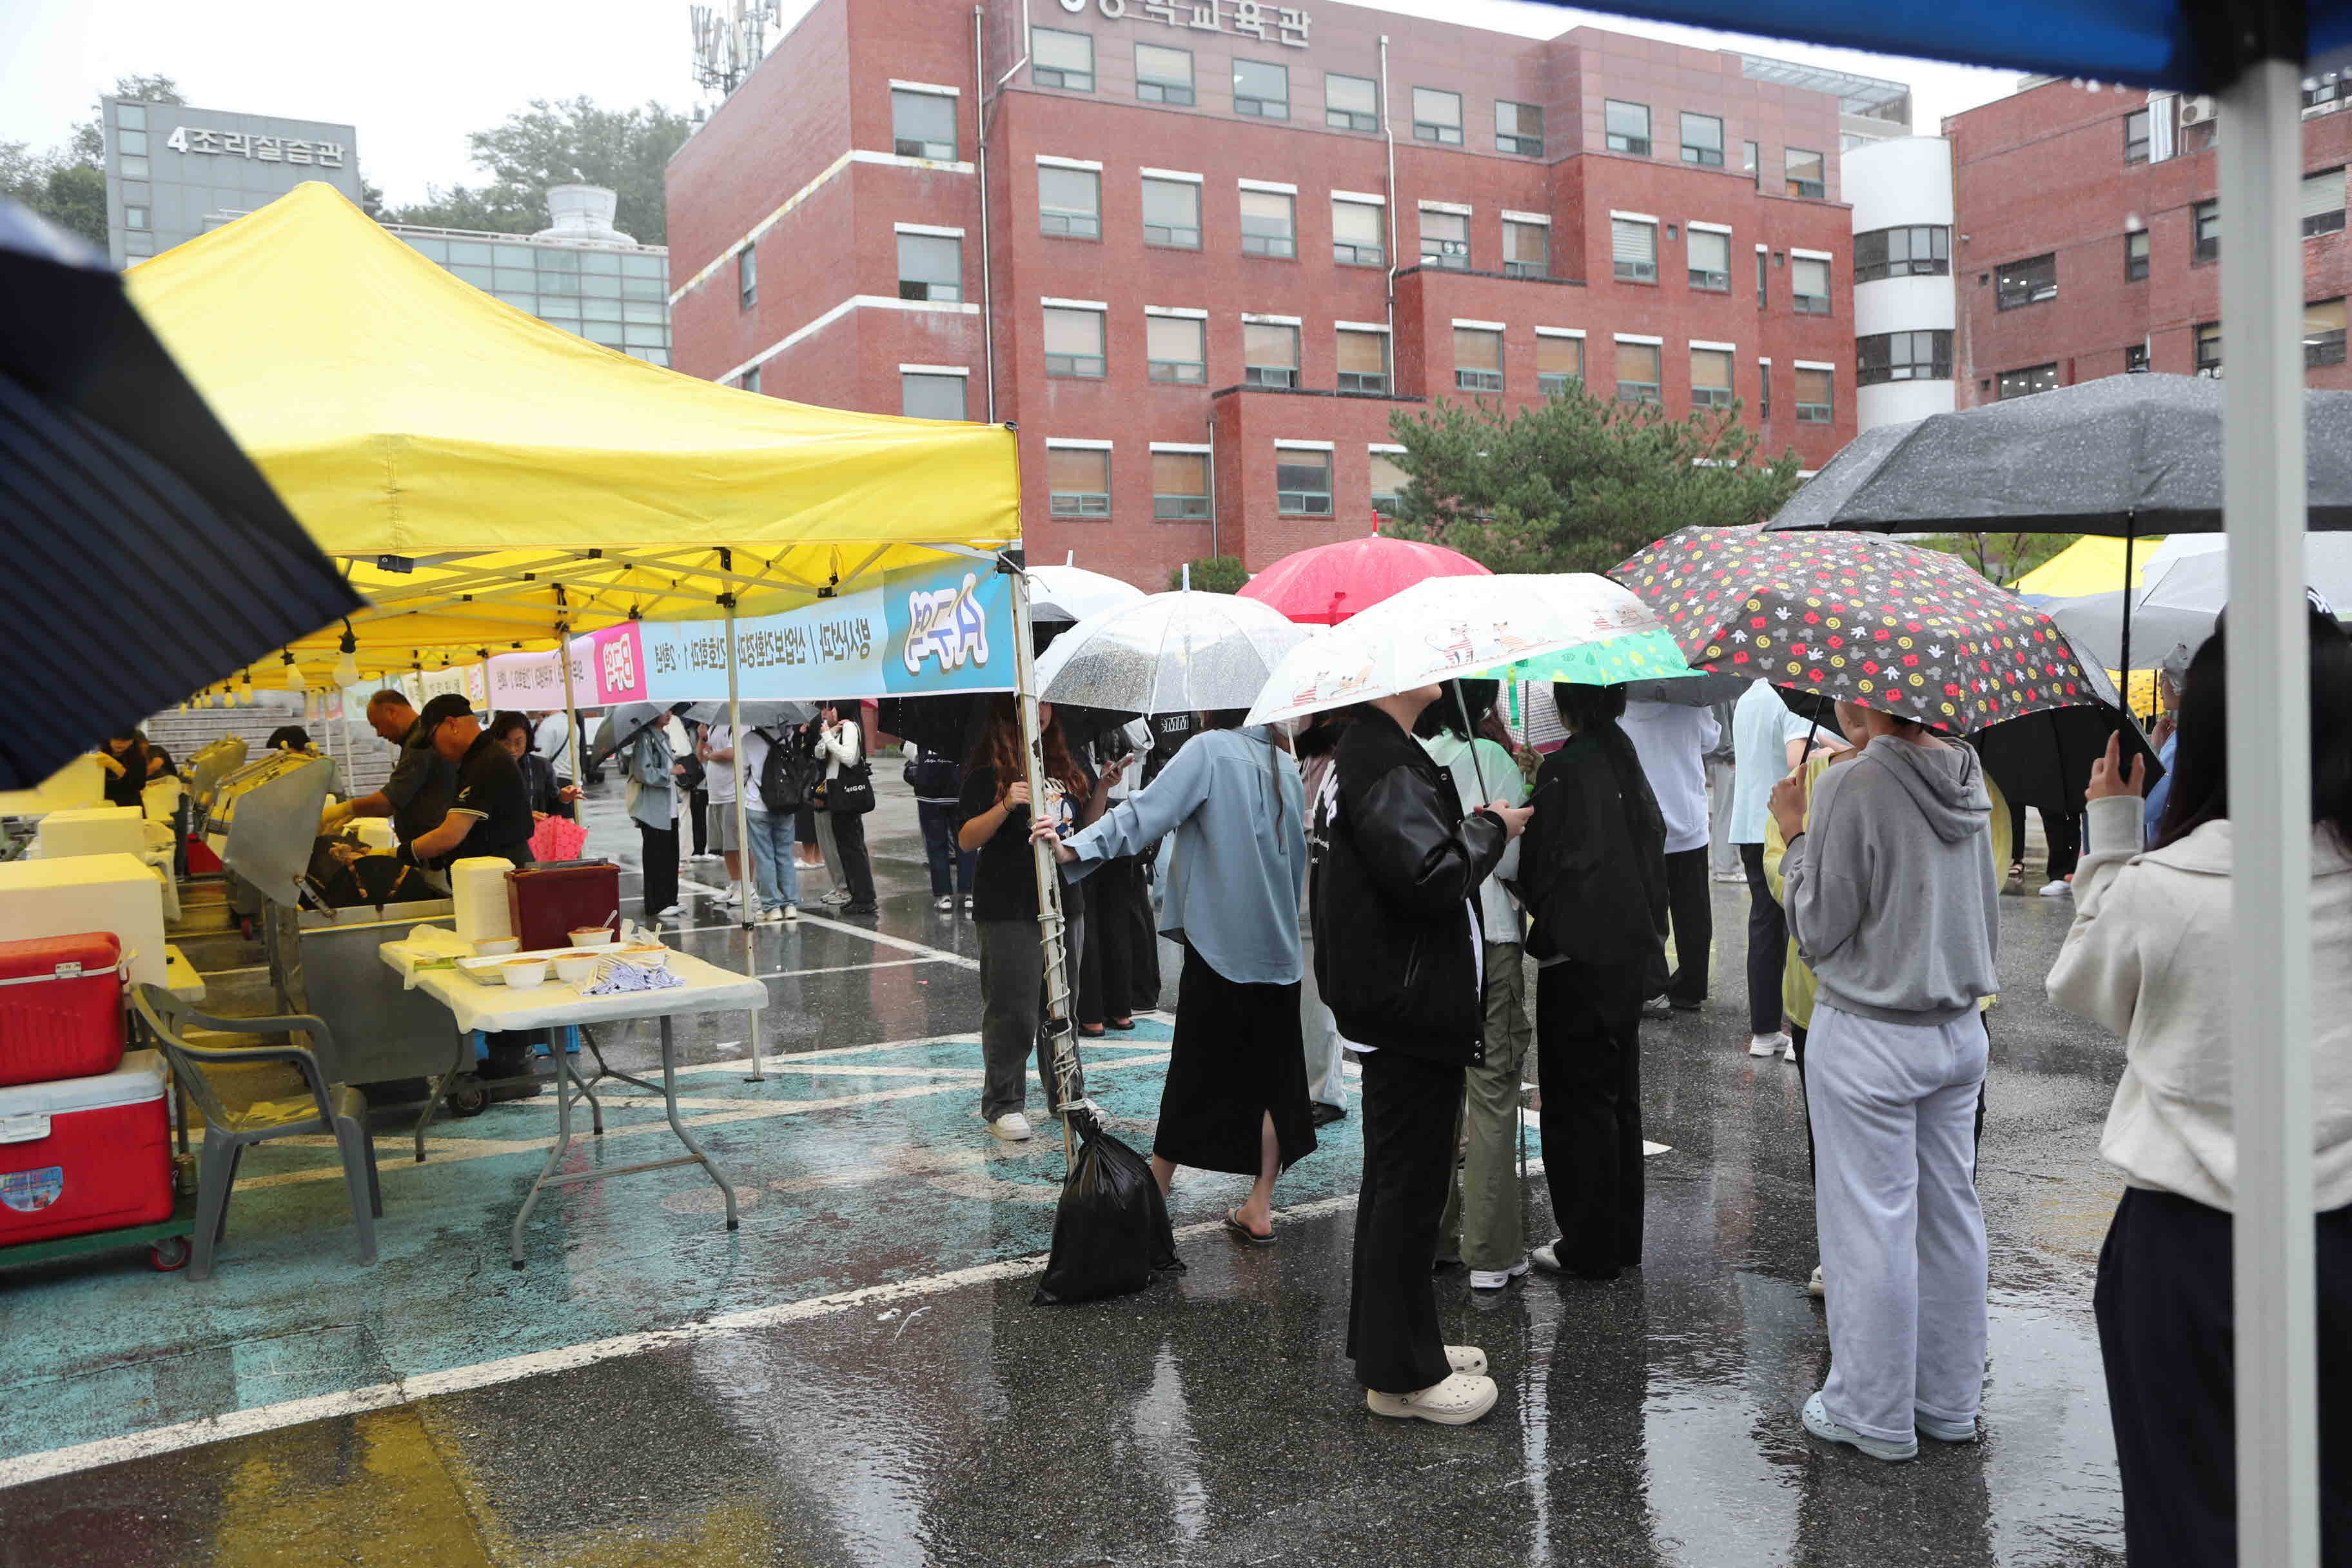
point(93, 830)
point(83, 893)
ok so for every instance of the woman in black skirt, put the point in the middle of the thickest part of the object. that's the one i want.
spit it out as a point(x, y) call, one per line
point(1236, 1095)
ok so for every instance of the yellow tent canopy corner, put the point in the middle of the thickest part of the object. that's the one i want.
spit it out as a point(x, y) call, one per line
point(2092, 565)
point(401, 413)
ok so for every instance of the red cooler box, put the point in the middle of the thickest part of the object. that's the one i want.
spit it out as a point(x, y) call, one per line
point(549, 900)
point(85, 1153)
point(60, 1007)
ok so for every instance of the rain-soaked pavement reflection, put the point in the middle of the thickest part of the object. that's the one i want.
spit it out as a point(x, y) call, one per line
point(1210, 1420)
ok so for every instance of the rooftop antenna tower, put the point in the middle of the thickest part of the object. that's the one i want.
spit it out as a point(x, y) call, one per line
point(730, 39)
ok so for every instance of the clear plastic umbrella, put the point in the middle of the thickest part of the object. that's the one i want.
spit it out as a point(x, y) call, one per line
point(1062, 593)
point(1168, 653)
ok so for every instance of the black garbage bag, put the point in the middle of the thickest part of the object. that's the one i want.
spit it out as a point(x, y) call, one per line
point(1111, 1235)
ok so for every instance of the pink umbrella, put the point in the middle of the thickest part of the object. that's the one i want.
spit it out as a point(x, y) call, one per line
point(1325, 585)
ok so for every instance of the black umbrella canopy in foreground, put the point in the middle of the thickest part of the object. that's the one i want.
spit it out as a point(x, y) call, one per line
point(147, 556)
point(2044, 758)
point(2126, 455)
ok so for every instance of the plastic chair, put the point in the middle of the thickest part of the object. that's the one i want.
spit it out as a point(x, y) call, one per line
point(334, 1107)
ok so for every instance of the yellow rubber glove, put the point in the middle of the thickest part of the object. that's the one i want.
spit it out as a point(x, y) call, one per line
point(334, 817)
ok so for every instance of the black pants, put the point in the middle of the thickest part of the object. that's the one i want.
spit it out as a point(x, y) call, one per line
point(659, 847)
point(2166, 1322)
point(849, 839)
point(1589, 1060)
point(2066, 835)
point(1693, 924)
point(1768, 945)
point(1116, 903)
point(1797, 1035)
point(1394, 1337)
point(697, 804)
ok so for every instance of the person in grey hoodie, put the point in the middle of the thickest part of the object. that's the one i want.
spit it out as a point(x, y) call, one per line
point(1893, 900)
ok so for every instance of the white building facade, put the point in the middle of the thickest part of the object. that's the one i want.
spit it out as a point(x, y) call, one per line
point(1903, 307)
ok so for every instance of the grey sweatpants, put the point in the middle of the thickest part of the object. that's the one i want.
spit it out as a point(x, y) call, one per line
point(1895, 1199)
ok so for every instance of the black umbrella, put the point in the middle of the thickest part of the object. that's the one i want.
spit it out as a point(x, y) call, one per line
point(951, 724)
point(2126, 455)
point(2043, 760)
point(148, 557)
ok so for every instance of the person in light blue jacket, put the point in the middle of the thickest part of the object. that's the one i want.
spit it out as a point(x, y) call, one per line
point(1236, 1095)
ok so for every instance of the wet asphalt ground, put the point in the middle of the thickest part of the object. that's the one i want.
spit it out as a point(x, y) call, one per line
point(860, 1375)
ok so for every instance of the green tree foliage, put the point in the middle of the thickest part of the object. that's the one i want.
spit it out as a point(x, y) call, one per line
point(569, 142)
point(67, 185)
point(2002, 557)
point(1575, 483)
point(1212, 574)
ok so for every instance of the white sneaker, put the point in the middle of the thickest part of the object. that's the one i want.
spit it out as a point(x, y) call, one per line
point(1012, 1127)
point(771, 914)
point(837, 895)
point(671, 914)
point(2057, 889)
point(730, 896)
point(1817, 1421)
point(1945, 1431)
point(1494, 1280)
point(1769, 1044)
point(1467, 1360)
point(1658, 1006)
point(1814, 1287)
point(1790, 1054)
point(967, 903)
point(792, 912)
point(1547, 1258)
point(1456, 1401)
point(944, 901)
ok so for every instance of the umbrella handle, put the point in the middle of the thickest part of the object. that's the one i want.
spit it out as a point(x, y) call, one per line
point(1462, 706)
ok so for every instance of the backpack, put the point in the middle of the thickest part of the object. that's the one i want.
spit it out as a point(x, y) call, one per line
point(787, 778)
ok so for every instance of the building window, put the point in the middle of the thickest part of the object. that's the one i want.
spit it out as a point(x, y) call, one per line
point(1077, 481)
point(750, 382)
point(1526, 250)
point(1764, 389)
point(923, 125)
point(1802, 171)
point(1178, 347)
point(930, 267)
point(1269, 224)
point(1069, 201)
point(2205, 231)
point(2134, 357)
point(1708, 254)
point(1269, 353)
point(1919, 250)
point(2322, 203)
point(1762, 296)
point(2208, 348)
point(134, 168)
point(1388, 483)
point(1262, 90)
point(136, 217)
point(1560, 363)
point(1710, 378)
point(2135, 256)
point(1446, 240)
point(1477, 359)
point(1925, 355)
point(1352, 104)
point(2032, 281)
point(1062, 59)
point(1518, 128)
point(1637, 372)
point(2136, 136)
point(747, 278)
point(2323, 332)
point(1703, 140)
point(1302, 482)
point(131, 116)
point(2327, 89)
point(2027, 382)
point(1171, 213)
point(1814, 405)
point(1750, 164)
point(1073, 341)
point(1437, 116)
point(1363, 361)
point(1633, 248)
point(1809, 285)
point(1357, 234)
point(1163, 75)
point(1180, 486)
point(1627, 128)
point(924, 396)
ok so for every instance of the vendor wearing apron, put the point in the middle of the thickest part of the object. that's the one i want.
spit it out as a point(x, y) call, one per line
point(488, 814)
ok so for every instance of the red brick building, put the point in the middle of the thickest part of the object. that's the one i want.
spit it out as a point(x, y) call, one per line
point(2088, 231)
point(1207, 249)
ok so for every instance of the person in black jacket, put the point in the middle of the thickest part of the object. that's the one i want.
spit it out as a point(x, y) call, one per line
point(1593, 871)
point(1397, 950)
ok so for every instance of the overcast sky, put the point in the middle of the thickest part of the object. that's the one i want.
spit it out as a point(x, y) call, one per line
point(413, 77)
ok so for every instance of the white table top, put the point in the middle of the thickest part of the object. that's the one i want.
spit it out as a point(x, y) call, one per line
point(180, 976)
point(493, 1007)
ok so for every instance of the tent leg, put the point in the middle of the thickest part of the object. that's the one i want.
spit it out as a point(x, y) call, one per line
point(1061, 1024)
point(2265, 506)
point(743, 890)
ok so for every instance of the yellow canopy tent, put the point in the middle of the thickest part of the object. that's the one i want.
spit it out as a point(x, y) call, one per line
point(488, 477)
point(2092, 565)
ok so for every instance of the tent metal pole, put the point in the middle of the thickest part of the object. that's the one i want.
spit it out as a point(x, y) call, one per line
point(2264, 508)
point(743, 891)
point(1061, 1021)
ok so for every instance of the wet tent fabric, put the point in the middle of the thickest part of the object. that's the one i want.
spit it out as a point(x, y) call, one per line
point(404, 413)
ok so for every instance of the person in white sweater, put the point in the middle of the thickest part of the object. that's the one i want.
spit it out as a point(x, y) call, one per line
point(2148, 956)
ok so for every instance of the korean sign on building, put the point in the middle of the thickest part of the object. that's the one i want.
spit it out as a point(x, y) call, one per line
point(1249, 18)
point(245, 144)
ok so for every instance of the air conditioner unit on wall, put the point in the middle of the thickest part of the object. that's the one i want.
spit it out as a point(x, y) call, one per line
point(2196, 110)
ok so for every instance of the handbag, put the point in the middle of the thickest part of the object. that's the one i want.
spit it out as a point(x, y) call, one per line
point(850, 790)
